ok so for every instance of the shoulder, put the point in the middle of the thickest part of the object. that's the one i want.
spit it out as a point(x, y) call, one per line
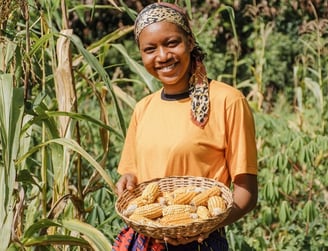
point(147, 100)
point(221, 88)
point(221, 91)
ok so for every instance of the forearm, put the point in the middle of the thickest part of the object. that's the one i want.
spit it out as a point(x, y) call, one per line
point(244, 197)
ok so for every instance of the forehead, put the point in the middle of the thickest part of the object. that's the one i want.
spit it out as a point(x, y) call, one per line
point(161, 29)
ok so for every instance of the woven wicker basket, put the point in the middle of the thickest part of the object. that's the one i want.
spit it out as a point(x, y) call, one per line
point(169, 184)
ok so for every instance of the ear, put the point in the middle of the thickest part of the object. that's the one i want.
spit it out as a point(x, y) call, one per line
point(192, 43)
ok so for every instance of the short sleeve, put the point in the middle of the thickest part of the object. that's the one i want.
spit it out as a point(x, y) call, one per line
point(127, 162)
point(241, 151)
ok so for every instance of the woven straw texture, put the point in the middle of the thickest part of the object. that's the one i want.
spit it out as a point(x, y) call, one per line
point(169, 184)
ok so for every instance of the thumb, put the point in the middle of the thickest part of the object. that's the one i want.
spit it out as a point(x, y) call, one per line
point(131, 182)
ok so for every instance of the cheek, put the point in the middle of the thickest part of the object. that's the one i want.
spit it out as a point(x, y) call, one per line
point(147, 62)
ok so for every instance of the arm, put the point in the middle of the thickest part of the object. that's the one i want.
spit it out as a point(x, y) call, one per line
point(244, 196)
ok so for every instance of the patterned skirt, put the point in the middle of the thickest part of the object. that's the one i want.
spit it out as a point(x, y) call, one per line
point(129, 240)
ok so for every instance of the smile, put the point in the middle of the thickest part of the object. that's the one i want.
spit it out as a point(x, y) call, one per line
point(166, 68)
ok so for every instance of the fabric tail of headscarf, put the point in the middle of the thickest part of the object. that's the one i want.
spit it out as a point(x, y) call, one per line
point(199, 93)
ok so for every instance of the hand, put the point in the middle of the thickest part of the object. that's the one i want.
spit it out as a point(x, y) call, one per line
point(184, 240)
point(127, 181)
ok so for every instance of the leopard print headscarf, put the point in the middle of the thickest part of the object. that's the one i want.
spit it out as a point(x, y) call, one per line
point(198, 82)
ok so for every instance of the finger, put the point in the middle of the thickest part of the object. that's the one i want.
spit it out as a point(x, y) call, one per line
point(120, 187)
point(202, 237)
point(171, 241)
point(127, 181)
point(131, 182)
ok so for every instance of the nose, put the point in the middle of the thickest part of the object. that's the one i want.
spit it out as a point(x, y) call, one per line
point(163, 54)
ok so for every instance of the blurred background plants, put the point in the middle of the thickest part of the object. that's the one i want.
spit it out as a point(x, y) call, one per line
point(70, 75)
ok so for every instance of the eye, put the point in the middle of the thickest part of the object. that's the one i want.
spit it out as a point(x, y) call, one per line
point(172, 43)
point(149, 49)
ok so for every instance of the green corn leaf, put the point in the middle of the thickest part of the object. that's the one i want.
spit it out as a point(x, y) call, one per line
point(11, 114)
point(77, 148)
point(36, 227)
point(95, 238)
point(137, 68)
point(51, 240)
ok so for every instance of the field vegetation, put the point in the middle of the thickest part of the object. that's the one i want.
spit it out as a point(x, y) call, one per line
point(70, 75)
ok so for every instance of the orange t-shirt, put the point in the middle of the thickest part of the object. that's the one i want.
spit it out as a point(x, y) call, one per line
point(163, 141)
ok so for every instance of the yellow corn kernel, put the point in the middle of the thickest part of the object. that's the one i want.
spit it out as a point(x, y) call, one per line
point(203, 212)
point(216, 205)
point(150, 211)
point(151, 192)
point(183, 198)
point(202, 198)
point(177, 209)
point(167, 198)
point(142, 220)
point(161, 200)
point(129, 210)
point(176, 219)
point(138, 201)
point(184, 189)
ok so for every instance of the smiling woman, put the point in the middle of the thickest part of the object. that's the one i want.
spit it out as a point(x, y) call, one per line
point(166, 55)
point(193, 126)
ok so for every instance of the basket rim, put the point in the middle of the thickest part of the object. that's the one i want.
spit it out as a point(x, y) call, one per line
point(158, 231)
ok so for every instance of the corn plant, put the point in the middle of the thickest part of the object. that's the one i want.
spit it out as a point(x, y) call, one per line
point(65, 105)
point(11, 110)
point(55, 168)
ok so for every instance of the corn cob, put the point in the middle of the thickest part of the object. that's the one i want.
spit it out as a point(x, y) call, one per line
point(167, 198)
point(203, 212)
point(161, 200)
point(129, 210)
point(183, 198)
point(202, 198)
point(177, 209)
point(150, 211)
point(138, 201)
point(151, 192)
point(176, 219)
point(142, 220)
point(184, 189)
point(216, 205)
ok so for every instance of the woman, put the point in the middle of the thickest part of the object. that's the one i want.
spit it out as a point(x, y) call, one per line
point(192, 126)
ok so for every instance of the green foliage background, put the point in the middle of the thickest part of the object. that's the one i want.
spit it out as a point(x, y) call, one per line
point(57, 187)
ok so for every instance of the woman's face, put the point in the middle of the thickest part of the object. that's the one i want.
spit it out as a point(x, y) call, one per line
point(165, 51)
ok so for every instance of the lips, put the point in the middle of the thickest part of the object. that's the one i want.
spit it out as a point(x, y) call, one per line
point(166, 68)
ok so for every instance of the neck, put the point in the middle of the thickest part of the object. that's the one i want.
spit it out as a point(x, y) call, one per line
point(176, 96)
point(174, 89)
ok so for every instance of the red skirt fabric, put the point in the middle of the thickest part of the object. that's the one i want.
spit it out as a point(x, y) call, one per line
point(129, 240)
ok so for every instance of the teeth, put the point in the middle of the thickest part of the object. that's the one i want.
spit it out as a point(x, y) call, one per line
point(168, 68)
